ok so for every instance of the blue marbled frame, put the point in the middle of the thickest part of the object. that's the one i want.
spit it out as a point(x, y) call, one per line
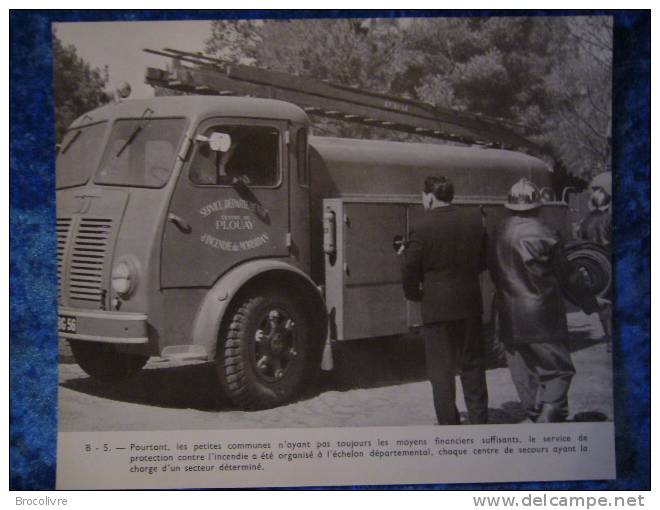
point(33, 282)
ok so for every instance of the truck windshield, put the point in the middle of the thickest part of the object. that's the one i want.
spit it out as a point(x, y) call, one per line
point(140, 152)
point(79, 152)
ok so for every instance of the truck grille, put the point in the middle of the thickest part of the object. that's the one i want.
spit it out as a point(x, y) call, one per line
point(87, 258)
point(63, 227)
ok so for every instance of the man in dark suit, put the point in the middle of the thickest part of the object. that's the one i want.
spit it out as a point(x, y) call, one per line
point(597, 228)
point(440, 268)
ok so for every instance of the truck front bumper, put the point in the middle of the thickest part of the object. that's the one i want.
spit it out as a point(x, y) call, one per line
point(102, 326)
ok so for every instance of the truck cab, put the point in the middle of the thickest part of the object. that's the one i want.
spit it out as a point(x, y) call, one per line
point(169, 207)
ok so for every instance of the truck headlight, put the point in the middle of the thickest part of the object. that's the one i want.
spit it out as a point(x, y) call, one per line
point(124, 278)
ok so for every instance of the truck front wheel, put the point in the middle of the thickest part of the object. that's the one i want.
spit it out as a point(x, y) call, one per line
point(266, 351)
point(101, 361)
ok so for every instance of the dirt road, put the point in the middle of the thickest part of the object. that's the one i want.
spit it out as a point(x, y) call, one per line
point(376, 383)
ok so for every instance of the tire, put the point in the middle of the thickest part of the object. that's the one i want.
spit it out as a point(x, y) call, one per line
point(101, 361)
point(266, 351)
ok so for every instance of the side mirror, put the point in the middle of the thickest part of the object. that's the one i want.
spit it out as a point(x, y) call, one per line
point(218, 142)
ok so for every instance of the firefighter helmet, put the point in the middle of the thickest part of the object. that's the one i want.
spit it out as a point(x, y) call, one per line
point(603, 181)
point(600, 199)
point(601, 191)
point(523, 196)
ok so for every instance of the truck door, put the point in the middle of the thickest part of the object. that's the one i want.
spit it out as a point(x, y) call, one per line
point(228, 207)
point(299, 201)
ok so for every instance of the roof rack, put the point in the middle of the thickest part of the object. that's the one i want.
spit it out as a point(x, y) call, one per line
point(211, 76)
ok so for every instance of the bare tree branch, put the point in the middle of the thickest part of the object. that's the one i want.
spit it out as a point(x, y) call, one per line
point(605, 113)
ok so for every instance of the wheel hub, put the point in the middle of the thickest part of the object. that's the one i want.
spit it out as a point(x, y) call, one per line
point(275, 345)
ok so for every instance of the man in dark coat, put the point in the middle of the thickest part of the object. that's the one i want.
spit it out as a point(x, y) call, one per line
point(441, 267)
point(597, 228)
point(529, 268)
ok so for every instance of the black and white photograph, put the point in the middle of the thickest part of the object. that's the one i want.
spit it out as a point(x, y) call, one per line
point(379, 239)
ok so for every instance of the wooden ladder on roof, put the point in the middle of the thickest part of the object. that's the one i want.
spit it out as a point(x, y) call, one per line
point(199, 74)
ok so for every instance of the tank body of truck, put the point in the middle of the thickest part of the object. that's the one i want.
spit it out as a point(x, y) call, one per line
point(162, 251)
point(371, 192)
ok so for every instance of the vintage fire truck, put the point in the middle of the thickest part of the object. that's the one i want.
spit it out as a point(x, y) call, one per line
point(214, 226)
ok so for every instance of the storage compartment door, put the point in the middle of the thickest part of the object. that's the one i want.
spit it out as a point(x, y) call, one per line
point(373, 304)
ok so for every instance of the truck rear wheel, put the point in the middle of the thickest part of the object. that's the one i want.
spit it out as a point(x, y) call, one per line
point(267, 351)
point(101, 361)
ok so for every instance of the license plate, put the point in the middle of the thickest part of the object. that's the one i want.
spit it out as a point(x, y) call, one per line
point(67, 324)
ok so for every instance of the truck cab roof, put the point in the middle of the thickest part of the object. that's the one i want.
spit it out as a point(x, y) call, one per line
point(197, 108)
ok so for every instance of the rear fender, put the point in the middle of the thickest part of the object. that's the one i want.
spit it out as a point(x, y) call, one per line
point(219, 299)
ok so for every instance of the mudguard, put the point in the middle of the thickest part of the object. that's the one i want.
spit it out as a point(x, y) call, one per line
point(214, 306)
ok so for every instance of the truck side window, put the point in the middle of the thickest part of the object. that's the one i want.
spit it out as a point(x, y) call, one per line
point(301, 158)
point(252, 158)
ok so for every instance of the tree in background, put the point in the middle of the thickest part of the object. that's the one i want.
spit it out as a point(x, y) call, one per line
point(235, 41)
point(77, 87)
point(551, 76)
point(492, 66)
point(580, 120)
point(351, 52)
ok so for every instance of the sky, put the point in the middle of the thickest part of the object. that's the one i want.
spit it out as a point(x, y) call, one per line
point(119, 46)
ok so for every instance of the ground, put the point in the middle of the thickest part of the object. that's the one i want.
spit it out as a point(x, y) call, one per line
point(379, 382)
